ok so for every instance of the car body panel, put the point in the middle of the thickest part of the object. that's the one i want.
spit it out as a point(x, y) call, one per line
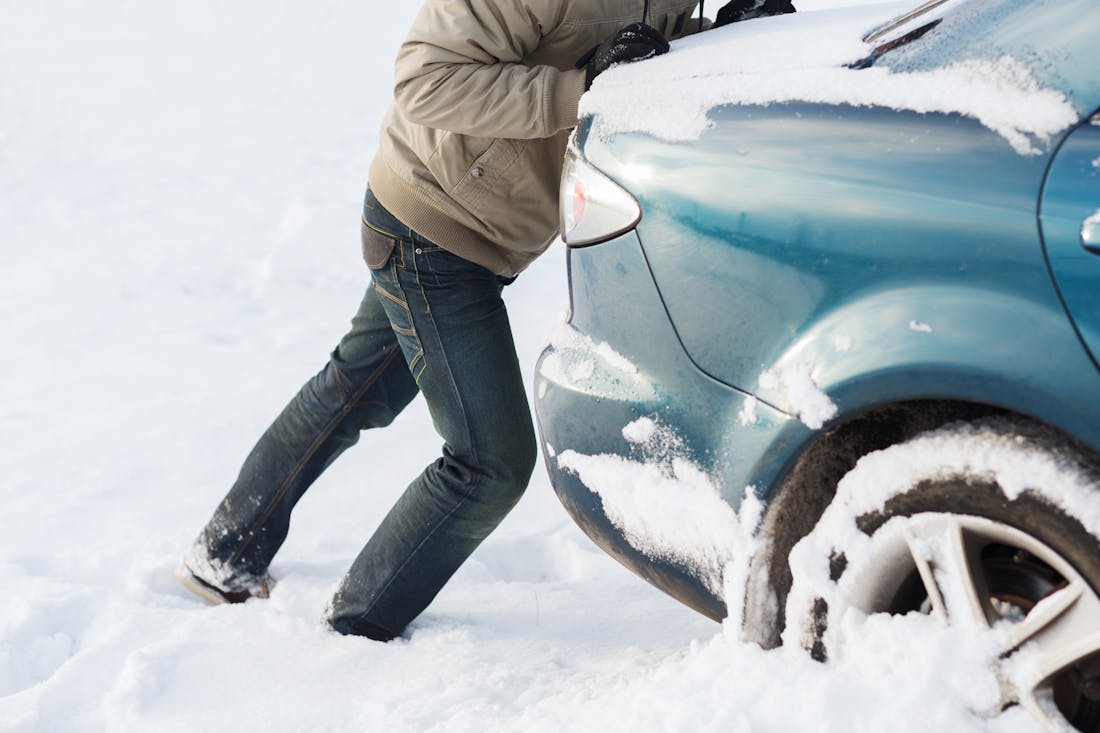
point(1072, 195)
point(893, 256)
point(888, 255)
point(584, 400)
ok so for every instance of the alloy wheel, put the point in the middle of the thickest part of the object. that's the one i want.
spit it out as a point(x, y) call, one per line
point(975, 572)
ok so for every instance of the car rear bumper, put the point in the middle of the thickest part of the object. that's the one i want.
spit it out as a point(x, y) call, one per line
point(691, 444)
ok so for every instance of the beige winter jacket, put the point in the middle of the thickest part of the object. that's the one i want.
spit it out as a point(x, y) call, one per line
point(484, 97)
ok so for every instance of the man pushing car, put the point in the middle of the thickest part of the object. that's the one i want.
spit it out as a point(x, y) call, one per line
point(462, 196)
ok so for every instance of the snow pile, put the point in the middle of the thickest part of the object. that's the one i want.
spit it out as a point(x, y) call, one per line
point(903, 676)
point(803, 57)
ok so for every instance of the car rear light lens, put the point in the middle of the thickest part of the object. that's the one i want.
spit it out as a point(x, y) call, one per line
point(594, 208)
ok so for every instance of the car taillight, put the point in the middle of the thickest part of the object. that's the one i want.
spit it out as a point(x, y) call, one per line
point(594, 208)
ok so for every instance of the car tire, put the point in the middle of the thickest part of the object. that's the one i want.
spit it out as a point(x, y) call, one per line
point(977, 524)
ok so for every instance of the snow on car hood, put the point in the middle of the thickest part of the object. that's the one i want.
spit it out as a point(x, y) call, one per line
point(803, 57)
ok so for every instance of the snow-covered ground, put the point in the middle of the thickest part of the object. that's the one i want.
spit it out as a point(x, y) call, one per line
point(180, 187)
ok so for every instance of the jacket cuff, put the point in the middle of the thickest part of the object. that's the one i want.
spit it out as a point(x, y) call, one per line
point(565, 97)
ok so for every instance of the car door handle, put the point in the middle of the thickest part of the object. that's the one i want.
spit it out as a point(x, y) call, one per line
point(1090, 233)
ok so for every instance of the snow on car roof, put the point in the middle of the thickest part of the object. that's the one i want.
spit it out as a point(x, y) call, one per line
point(804, 57)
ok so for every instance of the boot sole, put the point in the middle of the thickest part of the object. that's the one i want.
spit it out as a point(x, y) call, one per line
point(196, 586)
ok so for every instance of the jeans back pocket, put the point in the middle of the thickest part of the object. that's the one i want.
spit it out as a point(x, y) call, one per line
point(377, 246)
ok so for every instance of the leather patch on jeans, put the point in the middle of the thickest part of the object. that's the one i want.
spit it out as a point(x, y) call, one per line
point(377, 247)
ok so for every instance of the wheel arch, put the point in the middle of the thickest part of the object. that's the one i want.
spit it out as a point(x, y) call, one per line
point(806, 487)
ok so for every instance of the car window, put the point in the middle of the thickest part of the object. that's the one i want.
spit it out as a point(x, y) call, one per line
point(1055, 40)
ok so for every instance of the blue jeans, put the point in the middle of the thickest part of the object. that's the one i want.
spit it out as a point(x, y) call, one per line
point(430, 322)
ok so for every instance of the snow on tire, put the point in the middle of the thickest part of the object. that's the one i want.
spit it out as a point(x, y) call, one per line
point(987, 530)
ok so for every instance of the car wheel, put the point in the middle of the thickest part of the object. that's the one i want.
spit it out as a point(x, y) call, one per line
point(991, 525)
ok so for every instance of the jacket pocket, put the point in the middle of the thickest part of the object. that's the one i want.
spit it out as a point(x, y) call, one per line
point(494, 166)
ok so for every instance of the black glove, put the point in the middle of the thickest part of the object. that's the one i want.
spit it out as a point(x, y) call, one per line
point(635, 42)
point(736, 10)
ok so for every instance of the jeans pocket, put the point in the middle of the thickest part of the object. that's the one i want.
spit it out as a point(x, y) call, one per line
point(387, 283)
point(377, 246)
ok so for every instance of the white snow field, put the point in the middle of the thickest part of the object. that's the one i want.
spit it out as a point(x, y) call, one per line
point(180, 187)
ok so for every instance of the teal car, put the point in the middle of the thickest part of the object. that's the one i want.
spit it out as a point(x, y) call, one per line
point(837, 352)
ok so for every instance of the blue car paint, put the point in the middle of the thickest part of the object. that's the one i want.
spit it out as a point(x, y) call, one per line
point(1013, 348)
point(1071, 195)
point(877, 227)
point(897, 253)
point(614, 301)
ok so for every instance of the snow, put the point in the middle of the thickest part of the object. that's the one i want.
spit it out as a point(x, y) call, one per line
point(668, 508)
point(576, 359)
point(582, 370)
point(894, 655)
point(567, 338)
point(738, 64)
point(196, 560)
point(747, 416)
point(809, 402)
point(669, 513)
point(642, 430)
point(994, 448)
point(920, 327)
point(1090, 230)
point(842, 343)
point(180, 188)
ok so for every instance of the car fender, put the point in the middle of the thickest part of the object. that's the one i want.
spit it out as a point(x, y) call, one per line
point(947, 342)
